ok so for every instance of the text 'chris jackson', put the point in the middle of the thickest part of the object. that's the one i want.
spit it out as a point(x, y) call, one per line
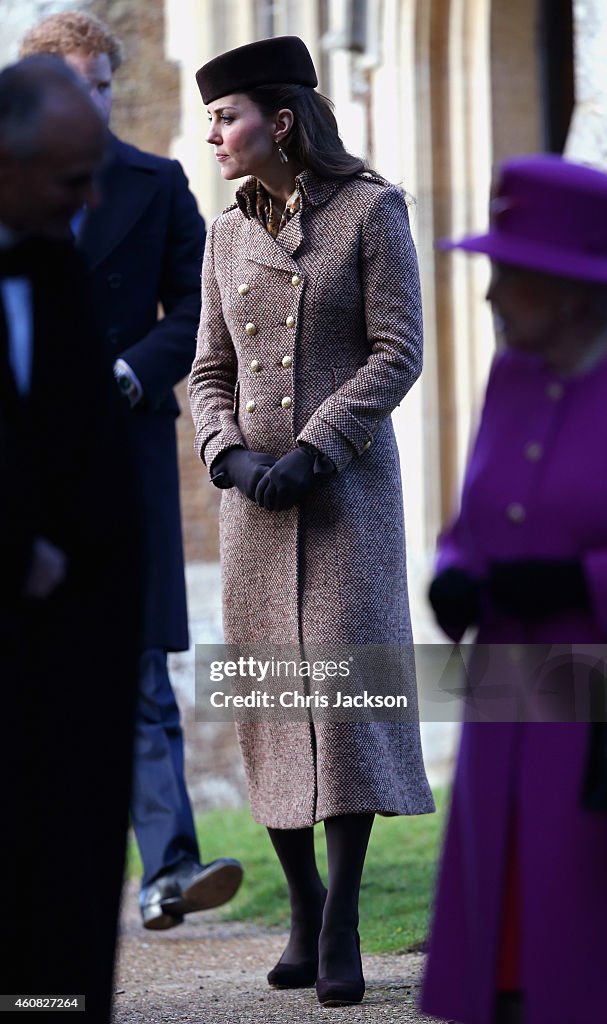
point(294, 699)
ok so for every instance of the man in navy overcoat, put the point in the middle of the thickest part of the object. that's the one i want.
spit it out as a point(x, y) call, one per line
point(144, 245)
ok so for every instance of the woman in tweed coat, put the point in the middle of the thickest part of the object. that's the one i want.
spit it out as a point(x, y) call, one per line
point(310, 336)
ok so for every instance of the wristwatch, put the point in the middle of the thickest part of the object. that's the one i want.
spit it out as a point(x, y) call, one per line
point(127, 382)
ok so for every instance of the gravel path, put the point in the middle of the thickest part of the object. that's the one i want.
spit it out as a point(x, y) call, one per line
point(211, 972)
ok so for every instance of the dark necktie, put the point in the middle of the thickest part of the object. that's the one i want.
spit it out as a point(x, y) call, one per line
point(18, 260)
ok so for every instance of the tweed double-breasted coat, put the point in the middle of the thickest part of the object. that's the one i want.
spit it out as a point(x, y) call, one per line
point(316, 336)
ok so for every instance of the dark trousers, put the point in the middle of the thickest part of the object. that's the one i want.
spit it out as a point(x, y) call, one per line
point(65, 761)
point(161, 813)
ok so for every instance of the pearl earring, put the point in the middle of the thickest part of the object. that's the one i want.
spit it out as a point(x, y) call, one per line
point(282, 156)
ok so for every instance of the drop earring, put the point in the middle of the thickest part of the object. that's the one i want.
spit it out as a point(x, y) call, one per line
point(282, 156)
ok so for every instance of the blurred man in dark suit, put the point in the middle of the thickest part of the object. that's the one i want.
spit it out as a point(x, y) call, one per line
point(70, 590)
point(144, 246)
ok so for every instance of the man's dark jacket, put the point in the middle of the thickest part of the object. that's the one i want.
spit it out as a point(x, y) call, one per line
point(144, 246)
point(68, 663)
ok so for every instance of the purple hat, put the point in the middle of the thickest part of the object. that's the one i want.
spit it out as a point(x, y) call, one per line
point(547, 214)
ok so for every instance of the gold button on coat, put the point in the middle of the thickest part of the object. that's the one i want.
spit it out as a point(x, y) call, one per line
point(296, 280)
point(287, 362)
point(255, 365)
point(251, 405)
point(290, 321)
point(243, 289)
point(515, 512)
point(554, 390)
point(251, 329)
point(366, 446)
point(533, 451)
point(287, 402)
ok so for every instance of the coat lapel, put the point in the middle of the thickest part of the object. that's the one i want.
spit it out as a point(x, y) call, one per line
point(291, 236)
point(278, 253)
point(127, 189)
point(270, 252)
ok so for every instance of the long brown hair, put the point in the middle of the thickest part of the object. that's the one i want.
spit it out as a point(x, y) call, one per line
point(314, 138)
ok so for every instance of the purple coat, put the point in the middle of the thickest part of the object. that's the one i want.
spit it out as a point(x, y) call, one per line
point(536, 486)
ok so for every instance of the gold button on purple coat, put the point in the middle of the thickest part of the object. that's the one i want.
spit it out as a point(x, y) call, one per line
point(251, 329)
point(554, 390)
point(251, 405)
point(287, 362)
point(515, 512)
point(287, 402)
point(243, 289)
point(290, 321)
point(533, 451)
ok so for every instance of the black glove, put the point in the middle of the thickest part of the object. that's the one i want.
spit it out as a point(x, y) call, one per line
point(241, 468)
point(536, 588)
point(286, 483)
point(454, 596)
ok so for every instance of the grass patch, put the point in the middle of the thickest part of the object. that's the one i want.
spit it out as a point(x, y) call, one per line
point(397, 887)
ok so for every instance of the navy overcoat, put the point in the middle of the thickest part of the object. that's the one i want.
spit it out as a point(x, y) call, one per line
point(144, 246)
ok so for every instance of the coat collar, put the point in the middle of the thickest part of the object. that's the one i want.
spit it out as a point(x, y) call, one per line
point(278, 253)
point(129, 180)
point(312, 189)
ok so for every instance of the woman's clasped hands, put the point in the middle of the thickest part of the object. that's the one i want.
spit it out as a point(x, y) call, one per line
point(274, 484)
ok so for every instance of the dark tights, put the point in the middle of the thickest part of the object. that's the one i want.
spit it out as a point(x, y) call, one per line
point(330, 931)
point(295, 849)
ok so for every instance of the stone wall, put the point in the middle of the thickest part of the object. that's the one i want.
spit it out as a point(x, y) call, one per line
point(588, 135)
point(147, 92)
